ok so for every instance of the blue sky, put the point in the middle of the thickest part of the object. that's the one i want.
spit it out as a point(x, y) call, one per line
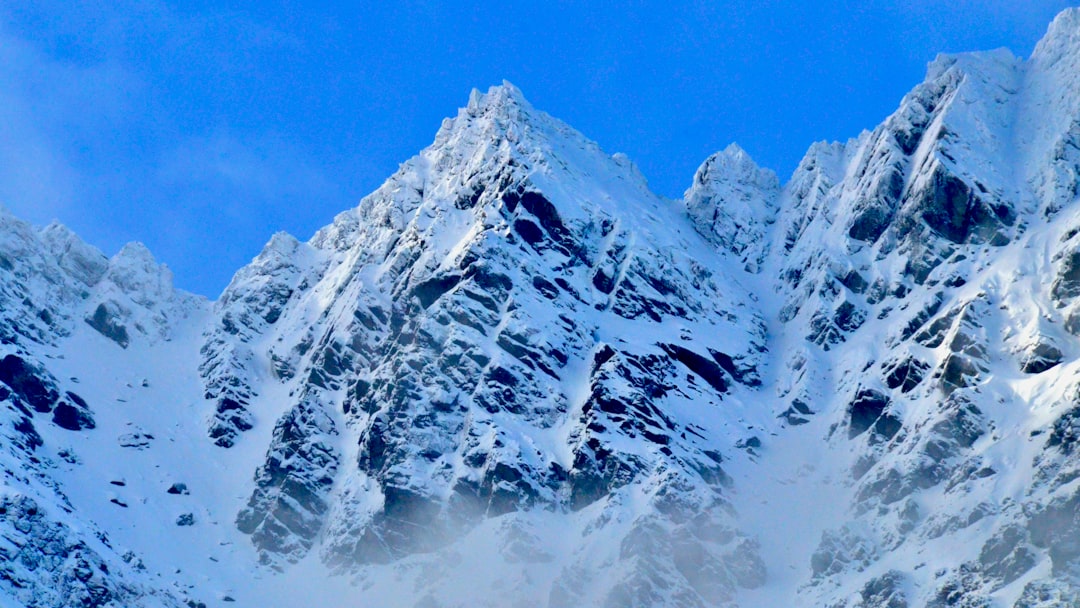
point(200, 128)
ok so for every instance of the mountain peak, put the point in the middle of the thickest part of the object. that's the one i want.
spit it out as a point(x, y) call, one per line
point(974, 63)
point(499, 138)
point(136, 272)
point(1062, 37)
point(503, 105)
point(135, 253)
point(735, 158)
point(498, 96)
point(82, 261)
point(731, 201)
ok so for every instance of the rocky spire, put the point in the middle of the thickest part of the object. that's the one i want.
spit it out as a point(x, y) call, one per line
point(732, 202)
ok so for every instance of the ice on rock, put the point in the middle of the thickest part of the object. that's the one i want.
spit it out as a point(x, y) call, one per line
point(732, 202)
point(85, 263)
point(135, 271)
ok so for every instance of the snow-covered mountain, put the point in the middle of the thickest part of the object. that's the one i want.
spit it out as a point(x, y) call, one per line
point(514, 376)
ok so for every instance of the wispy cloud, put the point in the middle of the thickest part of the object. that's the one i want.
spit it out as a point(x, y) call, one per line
point(47, 106)
point(263, 168)
point(70, 92)
point(104, 126)
point(258, 166)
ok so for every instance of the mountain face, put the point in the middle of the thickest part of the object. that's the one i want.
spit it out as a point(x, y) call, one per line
point(515, 376)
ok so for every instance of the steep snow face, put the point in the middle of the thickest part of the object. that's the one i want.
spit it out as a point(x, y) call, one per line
point(253, 302)
point(54, 289)
point(511, 326)
point(513, 375)
point(923, 271)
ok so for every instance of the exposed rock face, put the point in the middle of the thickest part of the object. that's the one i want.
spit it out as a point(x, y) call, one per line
point(937, 216)
point(252, 303)
point(488, 275)
point(44, 565)
point(514, 372)
point(732, 202)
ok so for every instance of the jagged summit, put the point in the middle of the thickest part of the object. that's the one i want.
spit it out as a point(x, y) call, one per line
point(502, 112)
point(1062, 37)
point(83, 261)
point(502, 98)
point(979, 61)
point(739, 162)
point(732, 201)
point(135, 270)
point(498, 138)
point(547, 148)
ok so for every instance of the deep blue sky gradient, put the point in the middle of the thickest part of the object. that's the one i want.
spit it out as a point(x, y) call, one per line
point(200, 128)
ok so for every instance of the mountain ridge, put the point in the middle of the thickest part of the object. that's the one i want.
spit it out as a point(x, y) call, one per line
point(513, 370)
